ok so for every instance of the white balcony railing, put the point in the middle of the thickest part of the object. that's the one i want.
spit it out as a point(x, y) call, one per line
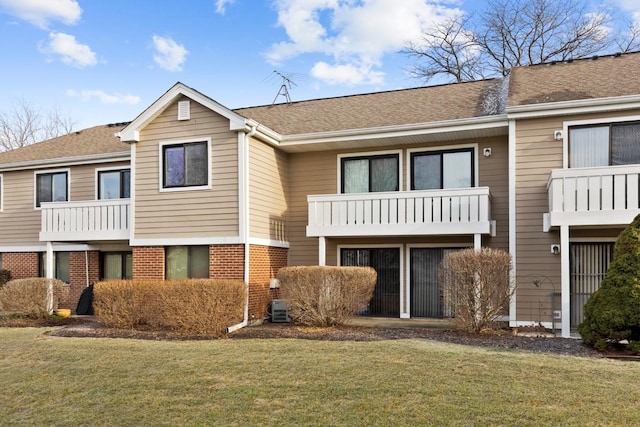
point(86, 220)
point(593, 196)
point(410, 213)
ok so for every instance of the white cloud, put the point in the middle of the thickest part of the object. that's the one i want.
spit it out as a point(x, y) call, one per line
point(41, 12)
point(103, 97)
point(221, 5)
point(70, 51)
point(356, 34)
point(631, 6)
point(347, 74)
point(169, 54)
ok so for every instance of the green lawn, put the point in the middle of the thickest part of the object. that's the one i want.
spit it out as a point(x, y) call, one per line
point(278, 382)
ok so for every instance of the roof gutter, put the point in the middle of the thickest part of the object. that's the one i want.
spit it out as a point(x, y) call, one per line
point(123, 156)
point(486, 122)
point(574, 107)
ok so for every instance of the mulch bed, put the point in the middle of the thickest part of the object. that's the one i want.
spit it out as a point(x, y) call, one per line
point(502, 340)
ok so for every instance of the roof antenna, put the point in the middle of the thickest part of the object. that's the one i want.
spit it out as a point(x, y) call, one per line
point(287, 83)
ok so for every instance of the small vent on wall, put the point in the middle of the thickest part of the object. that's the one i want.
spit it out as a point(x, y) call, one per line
point(184, 110)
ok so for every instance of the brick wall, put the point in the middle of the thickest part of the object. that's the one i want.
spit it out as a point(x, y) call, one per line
point(148, 263)
point(226, 262)
point(264, 263)
point(78, 280)
point(21, 264)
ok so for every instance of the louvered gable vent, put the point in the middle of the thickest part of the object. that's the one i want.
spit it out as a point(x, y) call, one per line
point(184, 110)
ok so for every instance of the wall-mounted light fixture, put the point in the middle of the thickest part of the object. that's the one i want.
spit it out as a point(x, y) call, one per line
point(555, 249)
point(487, 152)
point(557, 135)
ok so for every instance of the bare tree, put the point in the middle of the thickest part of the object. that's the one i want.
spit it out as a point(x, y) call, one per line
point(449, 49)
point(511, 33)
point(25, 125)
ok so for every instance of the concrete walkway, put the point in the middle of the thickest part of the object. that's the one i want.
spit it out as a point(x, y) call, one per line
point(394, 322)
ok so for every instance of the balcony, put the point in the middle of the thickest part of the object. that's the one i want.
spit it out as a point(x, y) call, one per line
point(592, 196)
point(407, 213)
point(87, 220)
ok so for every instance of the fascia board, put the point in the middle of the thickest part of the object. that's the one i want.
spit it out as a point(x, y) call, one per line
point(399, 130)
point(573, 107)
point(123, 156)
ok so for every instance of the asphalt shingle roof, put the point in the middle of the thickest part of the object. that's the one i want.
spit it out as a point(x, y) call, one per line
point(408, 106)
point(597, 77)
point(92, 141)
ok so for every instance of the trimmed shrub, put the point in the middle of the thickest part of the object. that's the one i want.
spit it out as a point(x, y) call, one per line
point(5, 276)
point(326, 296)
point(29, 296)
point(191, 307)
point(477, 286)
point(612, 313)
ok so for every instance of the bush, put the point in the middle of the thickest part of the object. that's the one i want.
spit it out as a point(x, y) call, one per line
point(194, 307)
point(612, 313)
point(5, 276)
point(29, 296)
point(477, 285)
point(326, 296)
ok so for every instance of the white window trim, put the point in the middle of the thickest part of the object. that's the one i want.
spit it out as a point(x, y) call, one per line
point(1, 192)
point(595, 122)
point(369, 154)
point(46, 171)
point(107, 169)
point(164, 143)
point(474, 147)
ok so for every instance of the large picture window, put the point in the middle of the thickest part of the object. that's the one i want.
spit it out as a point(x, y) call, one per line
point(433, 170)
point(185, 165)
point(366, 174)
point(184, 262)
point(604, 145)
point(51, 187)
point(114, 184)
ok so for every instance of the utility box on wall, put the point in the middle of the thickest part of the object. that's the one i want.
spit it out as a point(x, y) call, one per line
point(279, 312)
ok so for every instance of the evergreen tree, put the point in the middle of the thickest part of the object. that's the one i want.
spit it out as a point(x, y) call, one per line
point(612, 313)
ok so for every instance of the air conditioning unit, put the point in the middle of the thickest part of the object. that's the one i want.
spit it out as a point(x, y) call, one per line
point(279, 312)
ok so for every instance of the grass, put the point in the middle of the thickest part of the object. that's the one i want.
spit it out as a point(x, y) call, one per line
point(96, 381)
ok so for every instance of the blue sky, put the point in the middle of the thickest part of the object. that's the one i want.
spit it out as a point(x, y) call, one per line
point(102, 62)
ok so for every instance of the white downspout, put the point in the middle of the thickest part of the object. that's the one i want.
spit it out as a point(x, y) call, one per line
point(243, 216)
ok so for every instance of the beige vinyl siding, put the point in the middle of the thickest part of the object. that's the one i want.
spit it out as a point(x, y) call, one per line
point(20, 220)
point(317, 173)
point(309, 173)
point(538, 270)
point(187, 213)
point(267, 192)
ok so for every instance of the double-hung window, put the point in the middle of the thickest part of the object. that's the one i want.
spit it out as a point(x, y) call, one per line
point(187, 262)
point(114, 184)
point(433, 170)
point(604, 145)
point(185, 164)
point(51, 187)
point(365, 174)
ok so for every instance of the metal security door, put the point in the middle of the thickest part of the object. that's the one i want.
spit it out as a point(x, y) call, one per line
point(386, 262)
point(589, 263)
